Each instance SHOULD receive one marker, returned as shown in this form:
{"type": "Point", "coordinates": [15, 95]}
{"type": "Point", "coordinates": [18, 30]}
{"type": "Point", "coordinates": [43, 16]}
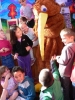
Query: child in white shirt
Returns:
{"type": "Point", "coordinates": [30, 33]}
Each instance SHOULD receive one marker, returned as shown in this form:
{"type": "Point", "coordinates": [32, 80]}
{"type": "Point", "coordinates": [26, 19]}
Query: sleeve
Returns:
{"type": "Point", "coordinates": [29, 42]}
{"type": "Point", "coordinates": [14, 49]}
{"type": "Point", "coordinates": [68, 3]}
{"type": "Point", "coordinates": [54, 69]}
{"type": "Point", "coordinates": [44, 96]}
{"type": "Point", "coordinates": [10, 46]}
{"type": "Point", "coordinates": [47, 98]}
{"type": "Point", "coordinates": [31, 91]}
{"type": "Point", "coordinates": [64, 57]}
{"type": "Point", "coordinates": [21, 11]}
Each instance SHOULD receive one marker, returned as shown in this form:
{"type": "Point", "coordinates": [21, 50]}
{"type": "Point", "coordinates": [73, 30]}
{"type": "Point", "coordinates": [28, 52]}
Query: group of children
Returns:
{"type": "Point", "coordinates": [17, 81]}
{"type": "Point", "coordinates": [65, 61]}
{"type": "Point", "coordinates": [21, 46]}
{"type": "Point", "coordinates": [20, 82]}
{"type": "Point", "coordinates": [52, 90]}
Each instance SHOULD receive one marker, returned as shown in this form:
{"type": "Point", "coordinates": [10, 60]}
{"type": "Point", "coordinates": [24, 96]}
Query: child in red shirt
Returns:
{"type": "Point", "coordinates": [5, 51]}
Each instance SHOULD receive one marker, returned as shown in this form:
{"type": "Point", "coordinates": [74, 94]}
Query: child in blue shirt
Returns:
{"type": "Point", "coordinates": [25, 84]}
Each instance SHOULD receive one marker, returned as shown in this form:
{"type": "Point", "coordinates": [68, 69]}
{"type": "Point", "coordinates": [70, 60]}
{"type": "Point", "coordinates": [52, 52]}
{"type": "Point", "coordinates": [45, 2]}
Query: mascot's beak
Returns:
{"type": "Point", "coordinates": [41, 25]}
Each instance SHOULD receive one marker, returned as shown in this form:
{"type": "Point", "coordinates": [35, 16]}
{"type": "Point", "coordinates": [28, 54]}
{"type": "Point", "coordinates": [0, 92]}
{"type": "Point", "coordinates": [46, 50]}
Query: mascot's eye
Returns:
{"type": "Point", "coordinates": [43, 8]}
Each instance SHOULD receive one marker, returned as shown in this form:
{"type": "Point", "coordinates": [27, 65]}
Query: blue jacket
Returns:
{"type": "Point", "coordinates": [26, 89]}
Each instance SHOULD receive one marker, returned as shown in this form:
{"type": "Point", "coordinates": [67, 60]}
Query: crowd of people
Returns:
{"type": "Point", "coordinates": [17, 81]}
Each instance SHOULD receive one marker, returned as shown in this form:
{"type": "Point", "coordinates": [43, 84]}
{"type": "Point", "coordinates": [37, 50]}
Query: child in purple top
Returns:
{"type": "Point", "coordinates": [5, 51]}
{"type": "Point", "coordinates": [8, 83]}
{"type": "Point", "coordinates": [26, 11]}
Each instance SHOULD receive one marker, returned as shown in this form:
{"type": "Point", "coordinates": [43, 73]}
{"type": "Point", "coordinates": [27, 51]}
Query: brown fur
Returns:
{"type": "Point", "coordinates": [52, 41]}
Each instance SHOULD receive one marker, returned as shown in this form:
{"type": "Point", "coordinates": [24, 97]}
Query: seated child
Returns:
{"type": "Point", "coordinates": [51, 87]}
{"type": "Point", "coordinates": [8, 83]}
{"type": "Point", "coordinates": [5, 51]}
{"type": "Point", "coordinates": [25, 84]}
{"type": "Point", "coordinates": [30, 33]}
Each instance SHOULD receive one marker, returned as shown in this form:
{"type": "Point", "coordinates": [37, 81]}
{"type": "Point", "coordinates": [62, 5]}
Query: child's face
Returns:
{"type": "Point", "coordinates": [22, 2]}
{"type": "Point", "coordinates": [67, 39]}
{"type": "Point", "coordinates": [24, 27]}
{"type": "Point", "coordinates": [19, 76]}
{"type": "Point", "coordinates": [18, 33]}
{"type": "Point", "coordinates": [6, 72]}
{"type": "Point", "coordinates": [2, 35]}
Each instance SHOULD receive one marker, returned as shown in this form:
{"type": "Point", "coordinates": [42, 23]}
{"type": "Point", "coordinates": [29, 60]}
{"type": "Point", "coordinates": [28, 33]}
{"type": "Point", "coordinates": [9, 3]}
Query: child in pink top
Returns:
{"type": "Point", "coordinates": [5, 51]}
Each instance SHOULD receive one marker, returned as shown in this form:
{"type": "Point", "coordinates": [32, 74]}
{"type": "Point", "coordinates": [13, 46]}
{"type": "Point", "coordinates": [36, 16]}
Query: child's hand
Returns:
{"type": "Point", "coordinates": [28, 48]}
{"type": "Point", "coordinates": [2, 50]}
{"type": "Point", "coordinates": [6, 49]}
{"type": "Point", "coordinates": [53, 57]}
{"type": "Point", "coordinates": [16, 56]}
{"type": "Point", "coordinates": [8, 76]}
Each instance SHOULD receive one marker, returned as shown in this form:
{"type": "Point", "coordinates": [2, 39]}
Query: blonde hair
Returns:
{"type": "Point", "coordinates": [68, 32]}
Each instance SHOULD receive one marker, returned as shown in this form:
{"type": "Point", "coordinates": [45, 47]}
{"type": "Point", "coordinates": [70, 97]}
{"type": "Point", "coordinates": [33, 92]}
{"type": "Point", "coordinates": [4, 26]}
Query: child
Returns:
{"type": "Point", "coordinates": [30, 33]}
{"type": "Point", "coordinates": [5, 51]}
{"type": "Point", "coordinates": [72, 12]}
{"type": "Point", "coordinates": [51, 87]}
{"type": "Point", "coordinates": [65, 60]}
{"type": "Point", "coordinates": [25, 87]}
{"type": "Point", "coordinates": [27, 12]}
{"type": "Point", "coordinates": [73, 77]}
{"type": "Point", "coordinates": [21, 47]}
{"type": "Point", "coordinates": [65, 11]}
{"type": "Point", "coordinates": [8, 84]}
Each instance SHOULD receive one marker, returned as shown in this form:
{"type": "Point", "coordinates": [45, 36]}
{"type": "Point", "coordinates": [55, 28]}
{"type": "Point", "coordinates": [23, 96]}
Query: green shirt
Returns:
{"type": "Point", "coordinates": [54, 92]}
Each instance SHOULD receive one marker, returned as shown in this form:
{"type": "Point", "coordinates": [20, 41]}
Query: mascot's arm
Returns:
{"type": "Point", "coordinates": [41, 24]}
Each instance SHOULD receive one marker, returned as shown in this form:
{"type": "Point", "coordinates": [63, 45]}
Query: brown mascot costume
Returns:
{"type": "Point", "coordinates": [49, 23]}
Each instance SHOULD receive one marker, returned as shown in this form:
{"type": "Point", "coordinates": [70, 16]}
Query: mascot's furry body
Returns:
{"type": "Point", "coordinates": [53, 26]}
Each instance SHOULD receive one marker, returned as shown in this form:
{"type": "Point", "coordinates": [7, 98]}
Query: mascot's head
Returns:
{"type": "Point", "coordinates": [47, 6]}
{"type": "Point", "coordinates": [44, 9]}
